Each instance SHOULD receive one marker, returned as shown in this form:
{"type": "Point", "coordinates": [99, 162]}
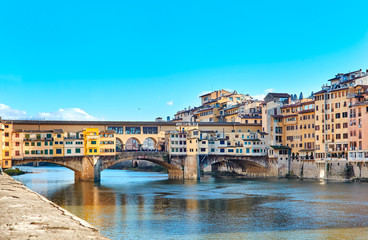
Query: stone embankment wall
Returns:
{"type": "Point", "coordinates": [341, 170]}
{"type": "Point", "coordinates": [25, 214]}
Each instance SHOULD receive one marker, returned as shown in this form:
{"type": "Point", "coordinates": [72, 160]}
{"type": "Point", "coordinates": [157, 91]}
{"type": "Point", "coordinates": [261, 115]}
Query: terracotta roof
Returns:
{"type": "Point", "coordinates": [319, 92]}
{"type": "Point", "coordinates": [280, 147]}
{"type": "Point", "coordinates": [306, 111]}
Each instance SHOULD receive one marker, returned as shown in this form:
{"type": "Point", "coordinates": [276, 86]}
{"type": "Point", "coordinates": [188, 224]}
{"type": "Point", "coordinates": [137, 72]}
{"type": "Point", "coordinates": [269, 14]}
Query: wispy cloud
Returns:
{"type": "Point", "coordinates": [170, 103]}
{"type": "Point", "coordinates": [269, 90]}
{"type": "Point", "coordinates": [6, 112]}
{"type": "Point", "coordinates": [263, 95]}
{"type": "Point", "coordinates": [11, 113]}
{"type": "Point", "coordinates": [64, 114]}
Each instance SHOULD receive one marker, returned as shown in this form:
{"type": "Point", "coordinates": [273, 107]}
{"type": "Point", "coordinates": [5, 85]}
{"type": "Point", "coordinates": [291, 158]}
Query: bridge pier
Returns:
{"type": "Point", "coordinates": [91, 170]}
{"type": "Point", "coordinates": [191, 167]}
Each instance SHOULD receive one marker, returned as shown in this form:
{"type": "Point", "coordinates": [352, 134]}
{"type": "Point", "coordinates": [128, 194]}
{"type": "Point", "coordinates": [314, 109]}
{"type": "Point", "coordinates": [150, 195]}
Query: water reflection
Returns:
{"type": "Point", "coordinates": [148, 205]}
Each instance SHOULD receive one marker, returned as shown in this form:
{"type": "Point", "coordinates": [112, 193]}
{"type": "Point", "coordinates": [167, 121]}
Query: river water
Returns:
{"type": "Point", "coordinates": [145, 205]}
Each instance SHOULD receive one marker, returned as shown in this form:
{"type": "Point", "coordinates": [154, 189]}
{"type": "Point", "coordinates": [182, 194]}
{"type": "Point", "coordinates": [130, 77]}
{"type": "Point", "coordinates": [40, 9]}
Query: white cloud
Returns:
{"type": "Point", "coordinates": [7, 112]}
{"type": "Point", "coordinates": [10, 113]}
{"type": "Point", "coordinates": [269, 90]}
{"type": "Point", "coordinates": [64, 114]}
{"type": "Point", "coordinates": [170, 103]}
{"type": "Point", "coordinates": [263, 95]}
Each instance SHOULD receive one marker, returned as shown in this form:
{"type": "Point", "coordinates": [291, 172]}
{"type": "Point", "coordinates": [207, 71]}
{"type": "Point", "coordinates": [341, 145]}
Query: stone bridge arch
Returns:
{"type": "Point", "coordinates": [158, 158]}
{"type": "Point", "coordinates": [65, 164]}
{"type": "Point", "coordinates": [80, 165]}
{"type": "Point", "coordinates": [249, 165]}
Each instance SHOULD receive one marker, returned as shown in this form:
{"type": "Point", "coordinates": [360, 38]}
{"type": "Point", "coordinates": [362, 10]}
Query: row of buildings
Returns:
{"type": "Point", "coordinates": [18, 144]}
{"type": "Point", "coordinates": [331, 125]}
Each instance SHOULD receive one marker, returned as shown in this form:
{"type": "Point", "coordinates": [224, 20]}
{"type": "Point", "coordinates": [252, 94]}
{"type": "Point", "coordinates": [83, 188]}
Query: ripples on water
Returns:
{"type": "Point", "coordinates": [144, 205]}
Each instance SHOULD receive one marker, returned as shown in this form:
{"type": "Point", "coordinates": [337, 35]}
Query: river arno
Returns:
{"type": "Point", "coordinates": [143, 205]}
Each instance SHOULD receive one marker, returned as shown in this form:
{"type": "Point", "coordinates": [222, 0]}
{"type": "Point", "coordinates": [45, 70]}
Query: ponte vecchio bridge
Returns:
{"type": "Point", "coordinates": [133, 141]}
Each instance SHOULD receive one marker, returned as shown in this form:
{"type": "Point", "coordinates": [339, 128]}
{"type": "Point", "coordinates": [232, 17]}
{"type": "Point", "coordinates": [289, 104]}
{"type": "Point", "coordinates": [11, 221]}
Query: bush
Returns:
{"type": "Point", "coordinates": [14, 172]}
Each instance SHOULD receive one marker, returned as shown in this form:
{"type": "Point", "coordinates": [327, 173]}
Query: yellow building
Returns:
{"type": "Point", "coordinates": [35, 144]}
{"type": "Point", "coordinates": [1, 143]}
{"type": "Point", "coordinates": [91, 141]}
{"type": "Point", "coordinates": [6, 151]}
{"type": "Point", "coordinates": [58, 148]}
{"type": "Point", "coordinates": [107, 142]}
{"type": "Point", "coordinates": [206, 98]}
{"type": "Point", "coordinates": [298, 126]}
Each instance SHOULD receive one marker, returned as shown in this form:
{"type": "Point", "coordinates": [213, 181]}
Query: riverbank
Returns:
{"type": "Point", "coordinates": [25, 214]}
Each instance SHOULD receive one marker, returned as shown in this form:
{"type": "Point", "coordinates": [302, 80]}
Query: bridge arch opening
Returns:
{"type": "Point", "coordinates": [44, 161]}
{"type": "Point", "coordinates": [149, 144]}
{"type": "Point", "coordinates": [132, 144]}
{"type": "Point", "coordinates": [119, 145]}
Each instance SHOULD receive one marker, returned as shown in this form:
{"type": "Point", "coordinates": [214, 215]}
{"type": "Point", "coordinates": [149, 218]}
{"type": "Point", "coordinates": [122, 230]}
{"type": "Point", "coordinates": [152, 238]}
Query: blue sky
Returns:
{"type": "Point", "coordinates": [136, 60]}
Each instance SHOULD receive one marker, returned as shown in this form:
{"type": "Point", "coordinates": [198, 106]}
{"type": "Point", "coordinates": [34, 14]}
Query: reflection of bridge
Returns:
{"type": "Point", "coordinates": [89, 168]}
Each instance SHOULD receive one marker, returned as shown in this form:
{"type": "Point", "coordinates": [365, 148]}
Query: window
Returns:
{"type": "Point", "coordinates": [132, 130]}
{"type": "Point", "coordinates": [230, 150]}
{"type": "Point", "coordinates": [68, 151]}
{"type": "Point", "coordinates": [51, 151]}
{"type": "Point", "coordinates": [59, 135]}
{"type": "Point", "coordinates": [6, 134]}
{"type": "Point", "coordinates": [94, 142]}
{"type": "Point", "coordinates": [95, 150]}
{"type": "Point", "coordinates": [58, 151]}
{"type": "Point", "coordinates": [46, 151]}
{"type": "Point", "coordinates": [38, 144]}
{"type": "Point", "coordinates": [26, 143]}
{"type": "Point", "coordinates": [32, 143]}
{"type": "Point", "coordinates": [150, 130]}
{"type": "Point", "coordinates": [222, 150]}
{"type": "Point", "coordinates": [26, 152]}
{"type": "Point", "coordinates": [118, 130]}
{"type": "Point", "coordinates": [46, 143]}
{"type": "Point", "coordinates": [48, 135]}
{"type": "Point", "coordinates": [345, 114]}
{"type": "Point", "coordinates": [77, 150]}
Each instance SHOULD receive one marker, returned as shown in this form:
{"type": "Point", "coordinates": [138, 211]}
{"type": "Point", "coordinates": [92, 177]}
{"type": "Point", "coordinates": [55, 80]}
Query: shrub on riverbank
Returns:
{"type": "Point", "coordinates": [14, 172]}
